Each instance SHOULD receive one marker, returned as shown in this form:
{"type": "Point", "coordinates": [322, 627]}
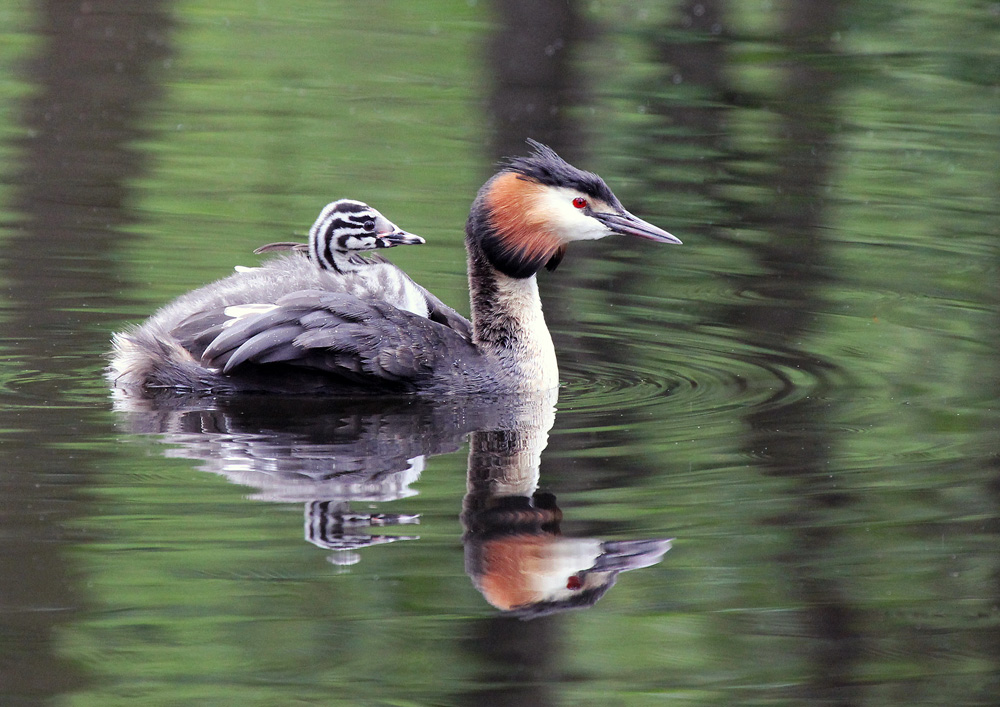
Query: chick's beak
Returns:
{"type": "Point", "coordinates": [400, 237]}
{"type": "Point", "coordinates": [628, 225]}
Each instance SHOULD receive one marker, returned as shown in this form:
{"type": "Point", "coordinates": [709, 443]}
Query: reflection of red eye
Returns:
{"type": "Point", "coordinates": [579, 202]}
{"type": "Point", "coordinates": [574, 581]}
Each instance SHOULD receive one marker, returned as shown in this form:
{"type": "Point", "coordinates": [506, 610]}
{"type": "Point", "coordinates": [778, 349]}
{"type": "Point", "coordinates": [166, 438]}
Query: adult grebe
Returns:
{"type": "Point", "coordinates": [305, 326]}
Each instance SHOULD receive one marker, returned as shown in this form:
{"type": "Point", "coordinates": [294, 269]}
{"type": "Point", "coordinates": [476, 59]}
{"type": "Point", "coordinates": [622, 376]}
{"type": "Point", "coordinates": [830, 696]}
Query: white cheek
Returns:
{"type": "Point", "coordinates": [360, 243]}
{"type": "Point", "coordinates": [569, 222]}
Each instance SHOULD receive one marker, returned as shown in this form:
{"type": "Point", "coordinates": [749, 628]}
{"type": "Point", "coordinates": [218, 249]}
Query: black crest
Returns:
{"type": "Point", "coordinates": [544, 166]}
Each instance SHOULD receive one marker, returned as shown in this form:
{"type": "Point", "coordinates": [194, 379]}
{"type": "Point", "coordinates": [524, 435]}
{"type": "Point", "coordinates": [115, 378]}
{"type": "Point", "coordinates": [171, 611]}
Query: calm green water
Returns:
{"type": "Point", "coordinates": [803, 397]}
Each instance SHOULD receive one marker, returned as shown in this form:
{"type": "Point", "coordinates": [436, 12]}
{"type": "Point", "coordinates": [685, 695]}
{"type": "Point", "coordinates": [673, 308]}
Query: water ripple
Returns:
{"type": "Point", "coordinates": [702, 373]}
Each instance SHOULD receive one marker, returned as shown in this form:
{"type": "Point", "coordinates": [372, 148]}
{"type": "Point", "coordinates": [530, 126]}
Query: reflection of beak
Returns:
{"type": "Point", "coordinates": [400, 237]}
{"type": "Point", "coordinates": [628, 225]}
{"type": "Point", "coordinates": [624, 555]}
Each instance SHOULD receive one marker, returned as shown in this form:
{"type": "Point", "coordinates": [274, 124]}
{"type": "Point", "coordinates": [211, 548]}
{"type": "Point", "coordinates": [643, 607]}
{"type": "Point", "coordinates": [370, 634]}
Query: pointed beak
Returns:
{"type": "Point", "coordinates": [400, 237]}
{"type": "Point", "coordinates": [628, 225]}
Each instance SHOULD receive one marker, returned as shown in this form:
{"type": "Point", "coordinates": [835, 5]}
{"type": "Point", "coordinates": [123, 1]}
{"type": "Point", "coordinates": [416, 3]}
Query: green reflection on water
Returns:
{"type": "Point", "coordinates": [270, 116]}
{"type": "Point", "coordinates": [829, 471]}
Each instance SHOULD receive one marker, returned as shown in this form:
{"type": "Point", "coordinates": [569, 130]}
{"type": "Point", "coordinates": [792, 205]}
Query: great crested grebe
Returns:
{"type": "Point", "coordinates": [304, 325]}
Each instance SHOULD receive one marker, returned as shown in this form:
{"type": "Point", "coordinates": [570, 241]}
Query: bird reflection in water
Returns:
{"type": "Point", "coordinates": [515, 553]}
{"type": "Point", "coordinates": [327, 453]}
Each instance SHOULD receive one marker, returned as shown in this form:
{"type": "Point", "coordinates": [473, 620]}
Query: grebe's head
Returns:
{"type": "Point", "coordinates": [524, 216]}
{"type": "Point", "coordinates": [346, 226]}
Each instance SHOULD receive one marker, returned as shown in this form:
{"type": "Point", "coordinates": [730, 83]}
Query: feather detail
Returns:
{"type": "Point", "coordinates": [556, 258]}
{"type": "Point", "coordinates": [520, 239]}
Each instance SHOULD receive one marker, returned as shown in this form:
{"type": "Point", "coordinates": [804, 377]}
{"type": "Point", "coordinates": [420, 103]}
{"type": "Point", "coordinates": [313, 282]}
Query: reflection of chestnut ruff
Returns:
{"type": "Point", "coordinates": [515, 553]}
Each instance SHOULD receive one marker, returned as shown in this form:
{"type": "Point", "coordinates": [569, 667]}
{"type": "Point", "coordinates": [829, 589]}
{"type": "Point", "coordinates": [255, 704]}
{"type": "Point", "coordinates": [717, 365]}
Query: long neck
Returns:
{"type": "Point", "coordinates": [508, 325]}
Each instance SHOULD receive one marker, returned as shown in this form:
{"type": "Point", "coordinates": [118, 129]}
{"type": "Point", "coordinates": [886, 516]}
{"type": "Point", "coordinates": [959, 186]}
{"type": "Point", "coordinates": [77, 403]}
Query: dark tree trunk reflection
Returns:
{"type": "Point", "coordinates": [689, 147]}
{"type": "Point", "coordinates": [534, 82]}
{"type": "Point", "coordinates": [793, 439]}
{"type": "Point", "coordinates": [92, 81]}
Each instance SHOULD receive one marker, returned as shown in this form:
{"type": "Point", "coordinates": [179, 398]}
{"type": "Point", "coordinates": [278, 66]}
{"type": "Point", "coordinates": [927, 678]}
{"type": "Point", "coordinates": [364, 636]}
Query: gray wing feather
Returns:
{"type": "Point", "coordinates": [246, 328]}
{"type": "Point", "coordinates": [438, 311]}
{"type": "Point", "coordinates": [263, 347]}
{"type": "Point", "coordinates": [360, 341]}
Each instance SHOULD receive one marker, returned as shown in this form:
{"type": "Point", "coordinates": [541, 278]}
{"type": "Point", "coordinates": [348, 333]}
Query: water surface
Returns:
{"type": "Point", "coordinates": [802, 399]}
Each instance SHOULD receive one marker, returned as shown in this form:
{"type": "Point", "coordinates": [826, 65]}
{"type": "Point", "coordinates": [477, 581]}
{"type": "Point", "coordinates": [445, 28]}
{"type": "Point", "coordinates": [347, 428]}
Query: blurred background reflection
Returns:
{"type": "Point", "coordinates": [803, 395]}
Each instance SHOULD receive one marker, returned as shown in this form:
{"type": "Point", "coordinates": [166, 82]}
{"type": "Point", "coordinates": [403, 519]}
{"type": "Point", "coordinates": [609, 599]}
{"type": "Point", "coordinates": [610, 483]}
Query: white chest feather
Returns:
{"type": "Point", "coordinates": [533, 348]}
{"type": "Point", "coordinates": [388, 283]}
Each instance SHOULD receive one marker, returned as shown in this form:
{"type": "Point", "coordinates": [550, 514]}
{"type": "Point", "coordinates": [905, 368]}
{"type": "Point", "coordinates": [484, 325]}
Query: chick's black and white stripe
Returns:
{"type": "Point", "coordinates": [342, 226]}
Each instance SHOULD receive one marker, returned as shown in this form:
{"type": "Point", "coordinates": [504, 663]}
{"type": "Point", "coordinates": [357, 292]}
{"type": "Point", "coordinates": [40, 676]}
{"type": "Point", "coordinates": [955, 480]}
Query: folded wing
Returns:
{"type": "Point", "coordinates": [365, 343]}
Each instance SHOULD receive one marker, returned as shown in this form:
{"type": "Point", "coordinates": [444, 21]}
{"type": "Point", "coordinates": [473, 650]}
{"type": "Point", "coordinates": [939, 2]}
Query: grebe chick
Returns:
{"type": "Point", "coordinates": [296, 327]}
{"type": "Point", "coordinates": [343, 229]}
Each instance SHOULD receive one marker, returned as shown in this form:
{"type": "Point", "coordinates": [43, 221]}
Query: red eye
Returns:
{"type": "Point", "coordinates": [574, 582]}
{"type": "Point", "coordinates": [579, 202]}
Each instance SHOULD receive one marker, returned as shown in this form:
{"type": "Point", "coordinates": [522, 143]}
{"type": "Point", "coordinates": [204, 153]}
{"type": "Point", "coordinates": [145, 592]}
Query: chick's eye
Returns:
{"type": "Point", "coordinates": [368, 226]}
{"type": "Point", "coordinates": [579, 202]}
